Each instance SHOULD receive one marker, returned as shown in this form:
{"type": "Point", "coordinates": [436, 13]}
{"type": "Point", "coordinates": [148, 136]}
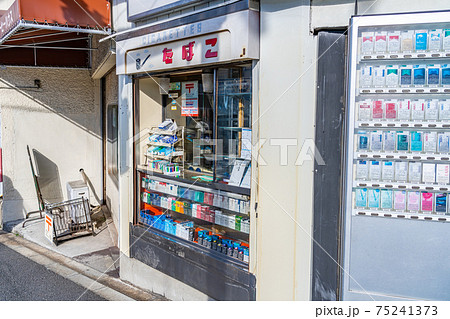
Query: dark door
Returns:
{"type": "Point", "coordinates": [331, 68]}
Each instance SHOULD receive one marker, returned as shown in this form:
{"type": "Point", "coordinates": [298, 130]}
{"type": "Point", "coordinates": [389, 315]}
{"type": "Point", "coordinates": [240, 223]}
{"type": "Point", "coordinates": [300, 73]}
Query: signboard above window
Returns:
{"type": "Point", "coordinates": [138, 9]}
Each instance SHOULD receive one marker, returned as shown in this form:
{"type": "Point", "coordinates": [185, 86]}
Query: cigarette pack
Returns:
{"type": "Point", "coordinates": [377, 109]}
{"type": "Point", "coordinates": [387, 171]}
{"type": "Point", "coordinates": [443, 143]}
{"type": "Point", "coordinates": [404, 110]}
{"type": "Point", "coordinates": [367, 43]}
{"type": "Point", "coordinates": [442, 174]}
{"type": "Point", "coordinates": [433, 75]}
{"type": "Point", "coordinates": [361, 197]}
{"type": "Point", "coordinates": [419, 75]}
{"type": "Point", "coordinates": [363, 141]}
{"type": "Point", "coordinates": [400, 200]}
{"type": "Point", "coordinates": [394, 42]}
{"type": "Point", "coordinates": [362, 170]}
{"type": "Point", "coordinates": [401, 171]}
{"type": "Point", "coordinates": [365, 79]}
{"type": "Point", "coordinates": [405, 75]}
{"type": "Point", "coordinates": [375, 170]}
{"type": "Point", "coordinates": [431, 110]}
{"type": "Point", "coordinates": [446, 39]}
{"type": "Point", "coordinates": [376, 141]}
{"type": "Point", "coordinates": [418, 110]}
{"type": "Point", "coordinates": [386, 198]}
{"type": "Point", "coordinates": [427, 202]}
{"type": "Point", "coordinates": [364, 110]}
{"type": "Point", "coordinates": [392, 76]}
{"type": "Point", "coordinates": [420, 40]}
{"type": "Point", "coordinates": [389, 141]}
{"type": "Point", "coordinates": [414, 172]}
{"type": "Point", "coordinates": [445, 74]}
{"type": "Point", "coordinates": [379, 76]}
{"type": "Point", "coordinates": [429, 173]}
{"type": "Point", "coordinates": [407, 41]}
{"type": "Point", "coordinates": [444, 110]}
{"type": "Point", "coordinates": [440, 203]}
{"type": "Point", "coordinates": [429, 142]}
{"type": "Point", "coordinates": [416, 141]}
{"type": "Point", "coordinates": [390, 109]}
{"type": "Point", "coordinates": [413, 201]}
{"type": "Point", "coordinates": [434, 43]}
{"type": "Point", "coordinates": [380, 42]}
{"type": "Point", "coordinates": [402, 141]}
{"type": "Point", "coordinates": [373, 198]}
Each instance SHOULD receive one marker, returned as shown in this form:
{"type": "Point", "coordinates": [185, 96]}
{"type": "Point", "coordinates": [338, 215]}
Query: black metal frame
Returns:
{"type": "Point", "coordinates": [328, 178]}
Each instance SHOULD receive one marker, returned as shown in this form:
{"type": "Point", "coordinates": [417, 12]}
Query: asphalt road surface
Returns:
{"type": "Point", "coordinates": [22, 279]}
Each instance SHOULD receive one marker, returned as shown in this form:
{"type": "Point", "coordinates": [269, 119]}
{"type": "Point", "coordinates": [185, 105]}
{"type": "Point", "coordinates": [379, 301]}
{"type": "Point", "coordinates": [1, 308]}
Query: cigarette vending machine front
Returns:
{"type": "Point", "coordinates": [396, 212]}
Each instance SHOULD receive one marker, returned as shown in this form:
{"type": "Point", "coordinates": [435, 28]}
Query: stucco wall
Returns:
{"type": "Point", "coordinates": [61, 121]}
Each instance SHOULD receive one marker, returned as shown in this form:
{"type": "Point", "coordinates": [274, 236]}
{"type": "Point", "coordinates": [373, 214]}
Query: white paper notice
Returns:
{"type": "Point", "coordinates": [237, 172]}
{"type": "Point", "coordinates": [246, 148]}
{"type": "Point", "coordinates": [189, 98]}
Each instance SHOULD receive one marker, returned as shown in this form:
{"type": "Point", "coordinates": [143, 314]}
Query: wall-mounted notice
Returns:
{"type": "Point", "coordinates": [189, 98]}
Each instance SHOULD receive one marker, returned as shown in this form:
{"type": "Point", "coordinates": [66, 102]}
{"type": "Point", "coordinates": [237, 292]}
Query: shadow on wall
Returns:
{"type": "Point", "coordinates": [49, 184]}
{"type": "Point", "coordinates": [17, 198]}
{"type": "Point", "coordinates": [48, 178]}
{"type": "Point", "coordinates": [69, 94]}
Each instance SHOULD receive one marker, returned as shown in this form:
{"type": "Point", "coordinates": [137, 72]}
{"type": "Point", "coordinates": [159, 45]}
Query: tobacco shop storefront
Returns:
{"type": "Point", "coordinates": [191, 164]}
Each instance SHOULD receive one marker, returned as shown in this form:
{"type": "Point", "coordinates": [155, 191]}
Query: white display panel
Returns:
{"type": "Point", "coordinates": [397, 155]}
{"type": "Point", "coordinates": [400, 105]}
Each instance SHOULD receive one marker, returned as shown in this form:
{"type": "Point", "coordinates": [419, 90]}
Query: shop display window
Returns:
{"type": "Point", "coordinates": [193, 157]}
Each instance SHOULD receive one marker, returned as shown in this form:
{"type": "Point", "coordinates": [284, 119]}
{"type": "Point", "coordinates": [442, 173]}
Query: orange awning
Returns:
{"type": "Point", "coordinates": [36, 32]}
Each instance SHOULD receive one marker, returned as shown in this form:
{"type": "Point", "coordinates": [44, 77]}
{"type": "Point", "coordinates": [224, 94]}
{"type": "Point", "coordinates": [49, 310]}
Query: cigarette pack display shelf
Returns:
{"type": "Point", "coordinates": [191, 186]}
{"type": "Point", "coordinates": [398, 57]}
{"type": "Point", "coordinates": [402, 215]}
{"type": "Point", "coordinates": [402, 156]}
{"type": "Point", "coordinates": [442, 91]}
{"type": "Point", "coordinates": [198, 202]}
{"type": "Point", "coordinates": [166, 157]}
{"type": "Point", "coordinates": [163, 144]}
{"type": "Point", "coordinates": [398, 62]}
{"type": "Point", "coordinates": [402, 186]}
{"type": "Point", "coordinates": [199, 221]}
{"type": "Point", "coordinates": [176, 152]}
{"type": "Point", "coordinates": [429, 125]}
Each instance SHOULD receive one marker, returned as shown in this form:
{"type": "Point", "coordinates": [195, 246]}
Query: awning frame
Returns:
{"type": "Point", "coordinates": [22, 24]}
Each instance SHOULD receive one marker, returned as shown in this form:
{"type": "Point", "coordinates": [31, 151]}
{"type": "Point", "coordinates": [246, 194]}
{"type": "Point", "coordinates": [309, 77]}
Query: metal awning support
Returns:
{"type": "Point", "coordinates": [25, 25]}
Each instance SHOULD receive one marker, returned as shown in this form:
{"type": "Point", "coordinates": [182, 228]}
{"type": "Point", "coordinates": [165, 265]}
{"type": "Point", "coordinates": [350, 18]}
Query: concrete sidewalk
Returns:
{"type": "Point", "coordinates": [99, 251]}
{"type": "Point", "coordinates": [105, 286]}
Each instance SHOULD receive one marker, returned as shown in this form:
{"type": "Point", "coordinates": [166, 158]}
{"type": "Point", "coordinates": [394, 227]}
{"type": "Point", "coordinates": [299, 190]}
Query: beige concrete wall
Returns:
{"type": "Point", "coordinates": [61, 121]}
{"type": "Point", "coordinates": [287, 103]}
{"type": "Point", "coordinates": [285, 192]}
